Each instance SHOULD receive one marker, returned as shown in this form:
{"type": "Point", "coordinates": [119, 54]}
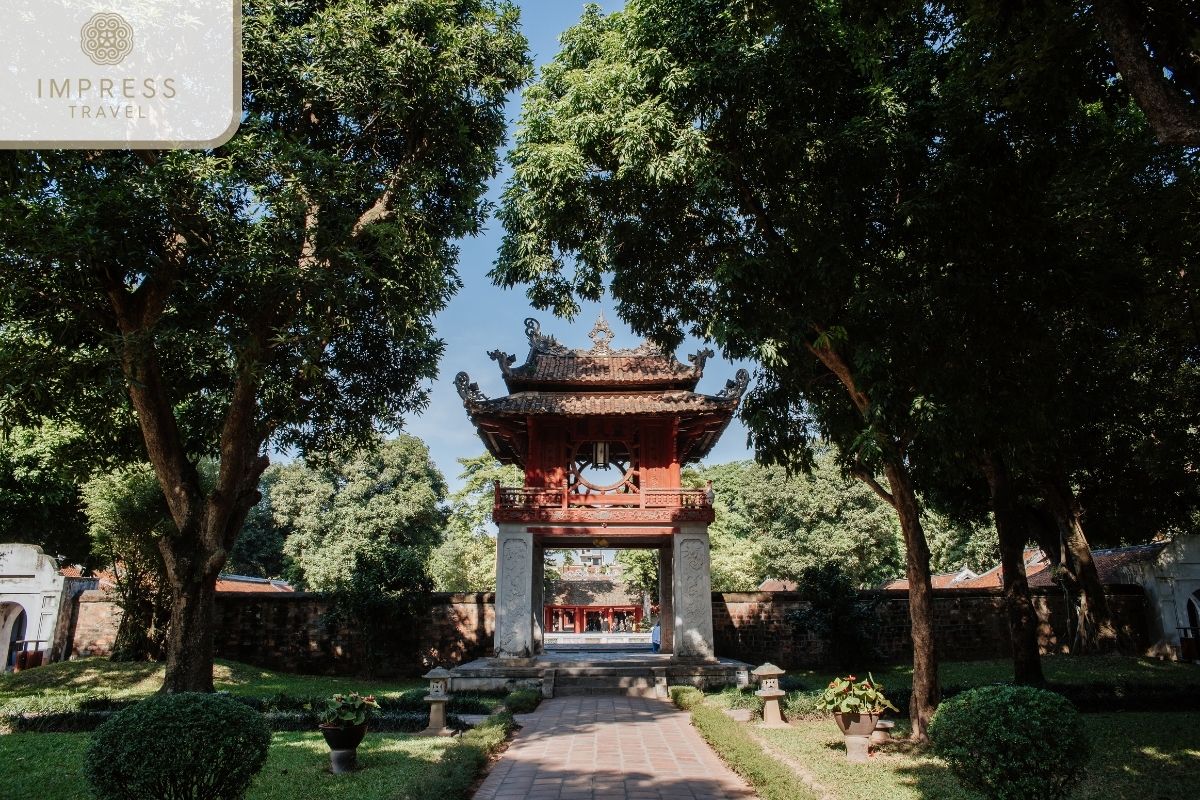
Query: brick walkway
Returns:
{"type": "Point", "coordinates": [600, 747]}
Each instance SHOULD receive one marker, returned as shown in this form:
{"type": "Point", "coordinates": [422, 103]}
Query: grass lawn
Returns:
{"type": "Point", "coordinates": [101, 677]}
{"type": "Point", "coordinates": [1135, 757]}
{"type": "Point", "coordinates": [393, 766]}
{"type": "Point", "coordinates": [1062, 669]}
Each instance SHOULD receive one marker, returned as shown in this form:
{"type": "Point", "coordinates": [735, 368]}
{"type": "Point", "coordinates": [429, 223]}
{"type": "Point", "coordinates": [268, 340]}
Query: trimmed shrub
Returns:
{"type": "Point", "coordinates": [686, 697]}
{"type": "Point", "coordinates": [186, 745]}
{"type": "Point", "coordinates": [522, 701]}
{"type": "Point", "coordinates": [1011, 742]}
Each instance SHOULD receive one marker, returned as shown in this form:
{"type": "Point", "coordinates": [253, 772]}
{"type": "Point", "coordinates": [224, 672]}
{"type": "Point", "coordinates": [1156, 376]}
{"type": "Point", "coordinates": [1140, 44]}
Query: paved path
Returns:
{"type": "Point", "coordinates": [601, 747]}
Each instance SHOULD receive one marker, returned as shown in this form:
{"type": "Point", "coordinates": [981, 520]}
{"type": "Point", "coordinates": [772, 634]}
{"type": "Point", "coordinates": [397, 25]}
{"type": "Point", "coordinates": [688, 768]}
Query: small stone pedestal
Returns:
{"type": "Point", "coordinates": [858, 749]}
{"type": "Point", "coordinates": [439, 695]}
{"type": "Point", "coordinates": [768, 675]}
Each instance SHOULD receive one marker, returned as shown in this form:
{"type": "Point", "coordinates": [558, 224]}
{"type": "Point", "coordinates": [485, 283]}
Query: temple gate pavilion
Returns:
{"type": "Point", "coordinates": [602, 435]}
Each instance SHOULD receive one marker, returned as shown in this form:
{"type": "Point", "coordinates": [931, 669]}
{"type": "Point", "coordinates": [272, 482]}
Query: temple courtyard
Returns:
{"type": "Point", "coordinates": [581, 747]}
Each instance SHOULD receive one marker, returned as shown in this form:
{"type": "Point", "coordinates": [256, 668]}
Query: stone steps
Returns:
{"type": "Point", "coordinates": [630, 683]}
{"type": "Point", "coordinates": [628, 674]}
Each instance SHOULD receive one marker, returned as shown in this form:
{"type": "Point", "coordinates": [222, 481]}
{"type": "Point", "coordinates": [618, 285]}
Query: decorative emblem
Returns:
{"type": "Point", "coordinates": [106, 38]}
{"type": "Point", "coordinates": [734, 389]}
{"type": "Point", "coordinates": [601, 337]}
{"type": "Point", "coordinates": [468, 391]}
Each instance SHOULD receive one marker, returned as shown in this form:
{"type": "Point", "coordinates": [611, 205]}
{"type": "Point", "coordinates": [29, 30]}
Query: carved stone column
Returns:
{"type": "Point", "coordinates": [666, 604]}
{"type": "Point", "coordinates": [692, 583]}
{"type": "Point", "coordinates": [514, 592]}
{"type": "Point", "coordinates": [537, 610]}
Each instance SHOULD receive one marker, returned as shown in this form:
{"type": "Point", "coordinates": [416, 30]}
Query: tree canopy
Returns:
{"type": "Point", "coordinates": [364, 522]}
{"type": "Point", "coordinates": [465, 560]}
{"type": "Point", "coordinates": [278, 290]}
{"type": "Point", "coordinates": [910, 219]}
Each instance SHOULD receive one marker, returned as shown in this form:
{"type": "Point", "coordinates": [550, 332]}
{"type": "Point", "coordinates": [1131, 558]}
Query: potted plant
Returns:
{"type": "Point", "coordinates": [344, 724]}
{"type": "Point", "coordinates": [856, 705]}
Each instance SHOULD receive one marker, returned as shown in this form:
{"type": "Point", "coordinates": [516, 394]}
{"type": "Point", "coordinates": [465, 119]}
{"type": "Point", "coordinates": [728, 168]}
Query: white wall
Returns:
{"type": "Point", "coordinates": [29, 580]}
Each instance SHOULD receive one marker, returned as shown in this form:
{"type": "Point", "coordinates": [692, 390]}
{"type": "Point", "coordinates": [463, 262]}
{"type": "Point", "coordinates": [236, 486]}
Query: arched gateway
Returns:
{"type": "Point", "coordinates": [602, 435]}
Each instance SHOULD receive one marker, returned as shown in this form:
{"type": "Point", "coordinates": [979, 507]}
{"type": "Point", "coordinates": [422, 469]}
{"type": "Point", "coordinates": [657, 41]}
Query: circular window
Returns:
{"type": "Point", "coordinates": [603, 467]}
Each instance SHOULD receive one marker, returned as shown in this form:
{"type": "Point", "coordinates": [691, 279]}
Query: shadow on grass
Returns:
{"type": "Point", "coordinates": [1135, 756]}
{"type": "Point", "coordinates": [390, 766]}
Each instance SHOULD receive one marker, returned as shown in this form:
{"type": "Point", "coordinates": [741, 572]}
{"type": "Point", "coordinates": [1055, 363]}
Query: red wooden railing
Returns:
{"type": "Point", "coordinates": [536, 497]}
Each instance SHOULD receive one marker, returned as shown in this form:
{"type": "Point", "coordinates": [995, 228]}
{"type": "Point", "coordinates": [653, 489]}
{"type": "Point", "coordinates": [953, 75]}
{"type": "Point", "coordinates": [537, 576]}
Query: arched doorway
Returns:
{"type": "Point", "coordinates": [13, 622]}
{"type": "Point", "coordinates": [1189, 637]}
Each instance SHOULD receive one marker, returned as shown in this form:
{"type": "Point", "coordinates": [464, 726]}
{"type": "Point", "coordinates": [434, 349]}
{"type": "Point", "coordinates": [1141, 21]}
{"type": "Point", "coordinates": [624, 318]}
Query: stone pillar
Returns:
{"type": "Point", "coordinates": [514, 592]}
{"type": "Point", "coordinates": [692, 582]}
{"type": "Point", "coordinates": [666, 604]}
{"type": "Point", "coordinates": [538, 608]}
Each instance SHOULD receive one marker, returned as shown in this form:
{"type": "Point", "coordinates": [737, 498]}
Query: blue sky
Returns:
{"type": "Point", "coordinates": [484, 317]}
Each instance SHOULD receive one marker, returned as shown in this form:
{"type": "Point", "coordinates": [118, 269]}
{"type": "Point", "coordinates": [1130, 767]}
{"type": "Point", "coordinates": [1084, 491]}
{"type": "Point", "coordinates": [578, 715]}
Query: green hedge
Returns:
{"type": "Point", "coordinates": [301, 720]}
{"type": "Point", "coordinates": [686, 697]}
{"type": "Point", "coordinates": [522, 701]}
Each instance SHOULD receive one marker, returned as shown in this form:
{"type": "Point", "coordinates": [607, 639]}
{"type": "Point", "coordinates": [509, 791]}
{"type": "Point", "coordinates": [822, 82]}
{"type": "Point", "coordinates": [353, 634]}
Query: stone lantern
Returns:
{"type": "Point", "coordinates": [768, 676]}
{"type": "Point", "coordinates": [439, 695]}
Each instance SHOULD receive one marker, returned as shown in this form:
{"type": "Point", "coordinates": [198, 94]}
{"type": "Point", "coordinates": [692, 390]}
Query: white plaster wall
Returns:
{"type": "Point", "coordinates": [1169, 581]}
{"type": "Point", "coordinates": [29, 579]}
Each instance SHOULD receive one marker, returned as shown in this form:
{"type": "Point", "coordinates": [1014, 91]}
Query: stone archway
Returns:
{"type": "Point", "coordinates": [14, 621]}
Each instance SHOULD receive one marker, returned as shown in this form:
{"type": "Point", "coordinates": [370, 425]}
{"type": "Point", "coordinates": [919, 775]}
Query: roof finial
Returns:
{"type": "Point", "coordinates": [601, 336]}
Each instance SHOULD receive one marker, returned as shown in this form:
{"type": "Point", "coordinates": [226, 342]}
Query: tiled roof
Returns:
{"type": "Point", "coordinates": [940, 580]}
{"type": "Point", "coordinates": [596, 591]}
{"type": "Point", "coordinates": [611, 370]}
{"type": "Point", "coordinates": [70, 572]}
{"type": "Point", "coordinates": [245, 583]}
{"type": "Point", "coordinates": [550, 364]}
{"type": "Point", "coordinates": [1109, 563]}
{"type": "Point", "coordinates": [611, 404]}
{"type": "Point", "coordinates": [1040, 572]}
{"type": "Point", "coordinates": [775, 585]}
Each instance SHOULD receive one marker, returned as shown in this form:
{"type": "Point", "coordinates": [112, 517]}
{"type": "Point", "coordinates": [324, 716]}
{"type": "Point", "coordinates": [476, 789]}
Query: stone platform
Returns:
{"type": "Point", "coordinates": [582, 641]}
{"type": "Point", "coordinates": [558, 673]}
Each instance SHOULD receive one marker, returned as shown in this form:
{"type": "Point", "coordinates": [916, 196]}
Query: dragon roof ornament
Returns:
{"type": "Point", "coordinates": [468, 390]}
{"type": "Point", "coordinates": [543, 343]}
{"type": "Point", "coordinates": [736, 386]}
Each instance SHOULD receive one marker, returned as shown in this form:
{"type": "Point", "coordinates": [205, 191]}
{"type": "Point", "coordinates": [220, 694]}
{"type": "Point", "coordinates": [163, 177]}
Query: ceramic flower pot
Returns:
{"type": "Point", "coordinates": [343, 745]}
{"type": "Point", "coordinates": [856, 724]}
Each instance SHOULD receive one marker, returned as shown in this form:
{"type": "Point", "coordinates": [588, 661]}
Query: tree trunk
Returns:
{"type": "Point", "coordinates": [1172, 117]}
{"type": "Point", "coordinates": [926, 692]}
{"type": "Point", "coordinates": [190, 639]}
{"type": "Point", "coordinates": [1096, 631]}
{"type": "Point", "coordinates": [1022, 617]}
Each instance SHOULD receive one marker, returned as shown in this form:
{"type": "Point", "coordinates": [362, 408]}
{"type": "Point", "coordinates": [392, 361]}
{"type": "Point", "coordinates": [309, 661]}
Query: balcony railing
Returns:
{"type": "Point", "coordinates": [536, 497]}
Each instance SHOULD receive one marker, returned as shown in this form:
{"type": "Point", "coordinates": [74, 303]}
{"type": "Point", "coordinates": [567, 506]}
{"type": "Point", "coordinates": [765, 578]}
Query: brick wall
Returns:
{"type": "Point", "coordinates": [96, 620]}
{"type": "Point", "coordinates": [293, 632]}
{"type": "Point", "coordinates": [968, 624]}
